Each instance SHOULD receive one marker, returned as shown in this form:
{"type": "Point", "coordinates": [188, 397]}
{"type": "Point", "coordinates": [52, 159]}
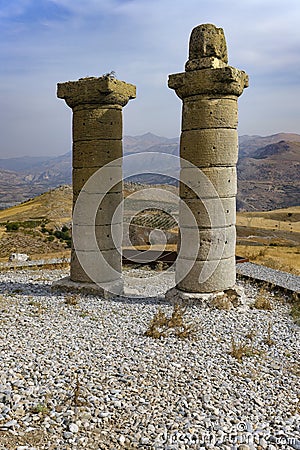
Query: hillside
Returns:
{"type": "Point", "coordinates": [270, 178]}
{"type": "Point", "coordinates": [249, 144]}
{"type": "Point", "coordinates": [270, 238]}
{"type": "Point", "coordinates": [52, 206]}
{"type": "Point", "coordinates": [268, 170]}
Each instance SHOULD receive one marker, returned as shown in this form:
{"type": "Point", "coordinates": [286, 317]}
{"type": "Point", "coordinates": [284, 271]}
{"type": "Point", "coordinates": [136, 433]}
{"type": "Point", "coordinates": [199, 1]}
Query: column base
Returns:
{"type": "Point", "coordinates": [105, 290]}
{"type": "Point", "coordinates": [175, 295]}
{"type": "Point", "coordinates": [227, 299]}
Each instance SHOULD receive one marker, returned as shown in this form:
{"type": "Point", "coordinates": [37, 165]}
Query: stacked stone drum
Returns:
{"type": "Point", "coordinates": [209, 89]}
{"type": "Point", "coordinates": [97, 178]}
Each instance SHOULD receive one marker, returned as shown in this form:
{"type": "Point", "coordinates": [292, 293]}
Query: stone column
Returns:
{"type": "Point", "coordinates": [209, 89]}
{"type": "Point", "coordinates": [96, 257]}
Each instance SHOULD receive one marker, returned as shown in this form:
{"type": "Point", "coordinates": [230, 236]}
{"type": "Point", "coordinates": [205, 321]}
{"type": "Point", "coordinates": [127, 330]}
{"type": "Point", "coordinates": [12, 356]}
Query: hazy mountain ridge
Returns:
{"type": "Point", "coordinates": [268, 170]}
{"type": "Point", "coordinates": [285, 150]}
{"type": "Point", "coordinates": [147, 142]}
{"type": "Point", "coordinates": [248, 144]}
{"type": "Point", "coordinates": [270, 178]}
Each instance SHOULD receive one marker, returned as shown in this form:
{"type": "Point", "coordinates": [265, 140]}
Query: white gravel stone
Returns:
{"type": "Point", "coordinates": [73, 427]}
{"type": "Point", "coordinates": [86, 376]}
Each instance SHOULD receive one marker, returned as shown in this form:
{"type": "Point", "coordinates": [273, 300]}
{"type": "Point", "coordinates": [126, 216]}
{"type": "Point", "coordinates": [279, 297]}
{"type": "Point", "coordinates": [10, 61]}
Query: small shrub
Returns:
{"type": "Point", "coordinates": [40, 409]}
{"type": "Point", "coordinates": [162, 326]}
{"type": "Point", "coordinates": [12, 226]}
{"type": "Point", "coordinates": [240, 350]}
{"type": "Point", "coordinates": [71, 300]}
{"type": "Point", "coordinates": [221, 302]}
{"type": "Point", "coordinates": [262, 300]}
{"type": "Point", "coordinates": [295, 312]}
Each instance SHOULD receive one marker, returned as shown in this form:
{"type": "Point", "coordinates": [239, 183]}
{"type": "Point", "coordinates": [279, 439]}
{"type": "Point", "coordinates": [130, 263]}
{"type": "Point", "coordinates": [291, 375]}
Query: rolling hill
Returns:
{"type": "Point", "coordinates": [268, 170]}
{"type": "Point", "coordinates": [268, 237]}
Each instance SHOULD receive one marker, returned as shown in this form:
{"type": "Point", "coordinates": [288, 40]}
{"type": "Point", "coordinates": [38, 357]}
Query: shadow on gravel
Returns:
{"type": "Point", "coordinates": [12, 288]}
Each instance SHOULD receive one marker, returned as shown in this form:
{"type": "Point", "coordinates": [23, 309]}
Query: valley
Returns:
{"type": "Point", "coordinates": [268, 170]}
{"type": "Point", "coordinates": [270, 238]}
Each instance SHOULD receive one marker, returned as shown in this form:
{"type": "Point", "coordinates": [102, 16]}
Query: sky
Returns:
{"type": "Point", "coordinates": [43, 42]}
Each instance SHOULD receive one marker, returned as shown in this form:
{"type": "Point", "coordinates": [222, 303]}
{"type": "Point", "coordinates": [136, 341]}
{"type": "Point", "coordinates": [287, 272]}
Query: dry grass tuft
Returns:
{"type": "Point", "coordinates": [228, 300]}
{"type": "Point", "coordinates": [262, 300]}
{"type": "Point", "coordinates": [75, 395]}
{"type": "Point", "coordinates": [162, 326]}
{"type": "Point", "coordinates": [295, 309]}
{"type": "Point", "coordinates": [268, 339]}
{"type": "Point", "coordinates": [239, 350]}
{"type": "Point", "coordinates": [221, 302]}
{"type": "Point", "coordinates": [71, 300]}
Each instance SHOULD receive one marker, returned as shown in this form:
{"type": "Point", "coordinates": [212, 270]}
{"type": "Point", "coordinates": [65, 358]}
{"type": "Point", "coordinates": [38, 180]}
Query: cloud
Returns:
{"type": "Point", "coordinates": [43, 42]}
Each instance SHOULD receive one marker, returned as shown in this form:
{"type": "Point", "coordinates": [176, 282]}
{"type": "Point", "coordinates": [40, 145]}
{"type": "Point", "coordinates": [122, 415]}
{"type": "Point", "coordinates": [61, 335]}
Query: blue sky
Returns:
{"type": "Point", "coordinates": [43, 42]}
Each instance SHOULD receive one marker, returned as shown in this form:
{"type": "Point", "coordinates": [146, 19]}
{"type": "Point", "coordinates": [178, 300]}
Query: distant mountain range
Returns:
{"type": "Point", "coordinates": [268, 170]}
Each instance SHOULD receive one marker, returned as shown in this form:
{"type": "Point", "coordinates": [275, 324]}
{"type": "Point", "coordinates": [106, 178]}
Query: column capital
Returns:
{"type": "Point", "coordinates": [220, 81]}
{"type": "Point", "coordinates": [96, 91]}
{"type": "Point", "coordinates": [207, 71]}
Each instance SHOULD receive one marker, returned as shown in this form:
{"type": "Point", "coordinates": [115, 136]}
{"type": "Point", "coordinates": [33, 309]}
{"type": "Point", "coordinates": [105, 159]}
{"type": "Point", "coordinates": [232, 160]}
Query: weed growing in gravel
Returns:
{"type": "Point", "coordinates": [295, 310]}
{"type": "Point", "coordinates": [40, 409]}
{"type": "Point", "coordinates": [221, 302]}
{"type": "Point", "coordinates": [83, 313]}
{"type": "Point", "coordinates": [268, 340]}
{"type": "Point", "coordinates": [230, 299]}
{"type": "Point", "coordinates": [37, 305]}
{"type": "Point", "coordinates": [262, 300]}
{"type": "Point", "coordinates": [241, 349]}
{"type": "Point", "coordinates": [4, 304]}
{"type": "Point", "coordinates": [71, 300]}
{"type": "Point", "coordinates": [75, 396]}
{"type": "Point", "coordinates": [162, 326]}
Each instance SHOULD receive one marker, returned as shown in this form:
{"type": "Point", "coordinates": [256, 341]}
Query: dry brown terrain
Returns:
{"type": "Point", "coordinates": [271, 238]}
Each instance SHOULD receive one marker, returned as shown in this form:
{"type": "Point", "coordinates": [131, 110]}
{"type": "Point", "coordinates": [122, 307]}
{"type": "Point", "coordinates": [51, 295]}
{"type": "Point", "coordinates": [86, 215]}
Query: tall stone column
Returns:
{"type": "Point", "coordinates": [209, 89]}
{"type": "Point", "coordinates": [96, 256]}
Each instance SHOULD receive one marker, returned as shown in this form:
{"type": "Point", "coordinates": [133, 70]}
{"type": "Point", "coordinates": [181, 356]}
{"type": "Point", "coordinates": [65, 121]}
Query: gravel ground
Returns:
{"type": "Point", "coordinates": [78, 372]}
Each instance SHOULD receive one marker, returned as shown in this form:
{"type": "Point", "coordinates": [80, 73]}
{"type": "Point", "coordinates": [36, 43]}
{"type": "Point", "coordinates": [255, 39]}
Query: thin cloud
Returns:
{"type": "Point", "coordinates": [43, 42]}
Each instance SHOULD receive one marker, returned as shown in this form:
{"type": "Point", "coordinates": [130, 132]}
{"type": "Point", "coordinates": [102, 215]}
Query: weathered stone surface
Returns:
{"type": "Point", "coordinates": [217, 243]}
{"type": "Point", "coordinates": [95, 180]}
{"type": "Point", "coordinates": [208, 213]}
{"type": "Point", "coordinates": [106, 237]}
{"type": "Point", "coordinates": [200, 113]}
{"type": "Point", "coordinates": [104, 290]}
{"type": "Point", "coordinates": [221, 275]}
{"type": "Point", "coordinates": [208, 182]}
{"type": "Point", "coordinates": [222, 81]}
{"type": "Point", "coordinates": [98, 209]}
{"type": "Point", "coordinates": [209, 89]}
{"type": "Point", "coordinates": [207, 41]}
{"type": "Point", "coordinates": [97, 153]}
{"type": "Point", "coordinates": [99, 267]}
{"type": "Point", "coordinates": [97, 123]}
{"type": "Point", "coordinates": [211, 147]}
{"type": "Point", "coordinates": [93, 90]}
